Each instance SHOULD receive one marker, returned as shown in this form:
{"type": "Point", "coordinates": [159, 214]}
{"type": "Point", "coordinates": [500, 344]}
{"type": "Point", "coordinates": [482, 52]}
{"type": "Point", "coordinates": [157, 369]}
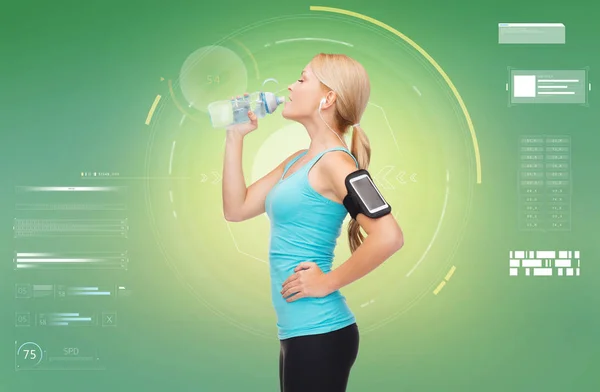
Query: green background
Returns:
{"type": "Point", "coordinates": [78, 82]}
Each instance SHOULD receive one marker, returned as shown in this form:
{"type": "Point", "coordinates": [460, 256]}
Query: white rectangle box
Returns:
{"type": "Point", "coordinates": [527, 271]}
{"type": "Point", "coordinates": [531, 254]}
{"type": "Point", "coordinates": [542, 271]}
{"type": "Point", "coordinates": [514, 271]}
{"type": "Point", "coordinates": [577, 272]}
{"type": "Point", "coordinates": [524, 86]}
{"type": "Point", "coordinates": [563, 254]}
{"type": "Point", "coordinates": [519, 254]}
{"type": "Point", "coordinates": [546, 254]}
{"type": "Point", "coordinates": [514, 263]}
{"type": "Point", "coordinates": [531, 263]}
{"type": "Point", "coordinates": [531, 33]}
{"type": "Point", "coordinates": [569, 271]}
{"type": "Point", "coordinates": [562, 263]}
{"type": "Point", "coordinates": [560, 272]}
{"type": "Point", "coordinates": [576, 254]}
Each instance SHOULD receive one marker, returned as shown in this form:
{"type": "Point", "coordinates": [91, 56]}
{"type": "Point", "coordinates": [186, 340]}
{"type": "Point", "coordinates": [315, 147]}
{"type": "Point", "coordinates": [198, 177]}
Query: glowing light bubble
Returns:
{"type": "Point", "coordinates": [212, 73]}
{"type": "Point", "coordinates": [277, 147]}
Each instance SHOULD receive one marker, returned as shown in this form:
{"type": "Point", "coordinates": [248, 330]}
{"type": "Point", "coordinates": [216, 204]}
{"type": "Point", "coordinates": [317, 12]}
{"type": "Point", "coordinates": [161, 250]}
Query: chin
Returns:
{"type": "Point", "coordinates": [291, 114]}
{"type": "Point", "coordinates": [286, 115]}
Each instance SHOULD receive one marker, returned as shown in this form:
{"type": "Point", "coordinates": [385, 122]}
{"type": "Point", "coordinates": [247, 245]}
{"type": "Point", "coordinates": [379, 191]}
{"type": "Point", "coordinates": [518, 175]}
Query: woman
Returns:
{"type": "Point", "coordinates": [303, 198]}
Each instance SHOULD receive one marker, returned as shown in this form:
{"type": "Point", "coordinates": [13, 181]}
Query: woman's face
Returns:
{"type": "Point", "coordinates": [304, 96]}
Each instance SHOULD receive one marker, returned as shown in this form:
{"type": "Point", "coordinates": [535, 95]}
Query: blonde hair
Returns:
{"type": "Point", "coordinates": [349, 80]}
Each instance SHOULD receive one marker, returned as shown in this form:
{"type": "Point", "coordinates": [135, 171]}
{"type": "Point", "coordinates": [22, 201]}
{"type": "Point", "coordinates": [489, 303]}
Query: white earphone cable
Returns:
{"type": "Point", "coordinates": [336, 134]}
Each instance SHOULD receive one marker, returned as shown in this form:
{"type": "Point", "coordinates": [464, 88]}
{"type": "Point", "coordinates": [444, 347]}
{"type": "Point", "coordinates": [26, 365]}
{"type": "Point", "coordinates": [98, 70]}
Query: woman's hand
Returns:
{"type": "Point", "coordinates": [243, 129]}
{"type": "Point", "coordinates": [307, 281]}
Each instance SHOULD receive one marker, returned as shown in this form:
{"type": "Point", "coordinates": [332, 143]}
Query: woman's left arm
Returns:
{"type": "Point", "coordinates": [383, 240]}
{"type": "Point", "coordinates": [384, 235]}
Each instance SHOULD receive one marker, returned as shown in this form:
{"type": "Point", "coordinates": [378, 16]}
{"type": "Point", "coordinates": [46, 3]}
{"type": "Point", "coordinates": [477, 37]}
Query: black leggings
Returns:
{"type": "Point", "coordinates": [318, 363]}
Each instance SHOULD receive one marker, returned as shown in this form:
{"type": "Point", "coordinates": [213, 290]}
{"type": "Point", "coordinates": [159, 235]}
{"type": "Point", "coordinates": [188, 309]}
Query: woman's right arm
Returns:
{"type": "Point", "coordinates": [241, 203]}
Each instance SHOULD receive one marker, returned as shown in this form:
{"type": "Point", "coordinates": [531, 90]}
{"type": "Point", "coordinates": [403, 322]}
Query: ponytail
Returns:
{"type": "Point", "coordinates": [361, 149]}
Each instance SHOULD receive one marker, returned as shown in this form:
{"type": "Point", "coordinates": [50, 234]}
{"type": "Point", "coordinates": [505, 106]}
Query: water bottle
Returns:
{"type": "Point", "coordinates": [235, 111]}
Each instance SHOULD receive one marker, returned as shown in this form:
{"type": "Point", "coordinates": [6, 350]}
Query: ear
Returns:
{"type": "Point", "coordinates": [324, 99]}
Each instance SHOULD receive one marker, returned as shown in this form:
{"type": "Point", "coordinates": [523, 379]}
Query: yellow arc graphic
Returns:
{"type": "Point", "coordinates": [152, 109]}
{"type": "Point", "coordinates": [430, 59]}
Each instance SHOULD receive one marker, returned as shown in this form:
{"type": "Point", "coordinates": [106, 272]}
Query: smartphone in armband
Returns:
{"type": "Point", "coordinates": [364, 197]}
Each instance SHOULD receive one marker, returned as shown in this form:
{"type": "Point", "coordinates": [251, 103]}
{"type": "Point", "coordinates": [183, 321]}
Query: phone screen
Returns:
{"type": "Point", "coordinates": [366, 191]}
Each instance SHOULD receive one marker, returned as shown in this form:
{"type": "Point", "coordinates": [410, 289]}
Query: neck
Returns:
{"type": "Point", "coordinates": [322, 138]}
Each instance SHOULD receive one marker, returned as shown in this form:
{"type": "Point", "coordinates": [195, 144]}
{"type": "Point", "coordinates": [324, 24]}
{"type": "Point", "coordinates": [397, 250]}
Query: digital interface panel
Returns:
{"type": "Point", "coordinates": [70, 259]}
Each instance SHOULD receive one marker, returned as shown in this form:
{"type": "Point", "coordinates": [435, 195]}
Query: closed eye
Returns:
{"type": "Point", "coordinates": [300, 80]}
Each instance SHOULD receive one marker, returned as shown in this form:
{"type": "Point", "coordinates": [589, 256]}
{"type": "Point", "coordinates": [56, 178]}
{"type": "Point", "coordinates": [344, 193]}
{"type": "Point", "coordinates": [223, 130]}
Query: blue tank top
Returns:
{"type": "Point", "coordinates": [305, 226]}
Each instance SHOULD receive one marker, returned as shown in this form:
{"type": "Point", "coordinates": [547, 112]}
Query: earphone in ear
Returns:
{"type": "Point", "coordinates": [322, 102]}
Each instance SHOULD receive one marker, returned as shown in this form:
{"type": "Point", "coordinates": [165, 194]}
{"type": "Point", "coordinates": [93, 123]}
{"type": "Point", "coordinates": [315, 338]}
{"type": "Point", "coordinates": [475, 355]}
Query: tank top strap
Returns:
{"type": "Point", "coordinates": [291, 162]}
{"type": "Point", "coordinates": [337, 148]}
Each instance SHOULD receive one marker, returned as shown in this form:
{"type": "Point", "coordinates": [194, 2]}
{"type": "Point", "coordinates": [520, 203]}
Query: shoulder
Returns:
{"type": "Point", "coordinates": [335, 167]}
{"type": "Point", "coordinates": [338, 163]}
